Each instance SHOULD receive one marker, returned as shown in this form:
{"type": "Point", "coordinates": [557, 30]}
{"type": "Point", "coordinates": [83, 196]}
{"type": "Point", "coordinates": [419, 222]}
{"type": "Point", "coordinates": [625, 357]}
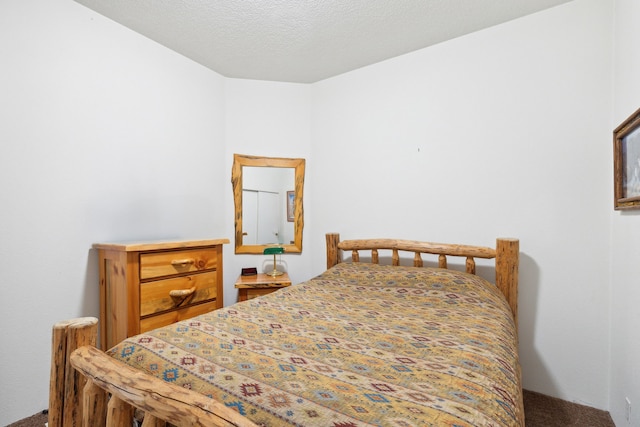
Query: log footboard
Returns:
{"type": "Point", "coordinates": [89, 388]}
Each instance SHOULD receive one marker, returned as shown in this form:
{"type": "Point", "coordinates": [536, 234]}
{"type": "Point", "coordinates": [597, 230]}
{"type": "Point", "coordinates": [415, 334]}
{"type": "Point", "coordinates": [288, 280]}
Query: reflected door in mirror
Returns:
{"type": "Point", "coordinates": [261, 219]}
{"type": "Point", "coordinates": [249, 217]}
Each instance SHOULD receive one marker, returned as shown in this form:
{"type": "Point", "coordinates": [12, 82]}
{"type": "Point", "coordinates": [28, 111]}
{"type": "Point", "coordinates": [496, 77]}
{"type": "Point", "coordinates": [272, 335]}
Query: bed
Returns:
{"type": "Point", "coordinates": [362, 344]}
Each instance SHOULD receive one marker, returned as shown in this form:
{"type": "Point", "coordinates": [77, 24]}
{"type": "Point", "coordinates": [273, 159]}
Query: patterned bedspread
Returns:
{"type": "Point", "coordinates": [359, 345]}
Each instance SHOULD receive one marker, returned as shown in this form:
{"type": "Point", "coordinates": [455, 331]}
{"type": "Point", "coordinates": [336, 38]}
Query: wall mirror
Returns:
{"type": "Point", "coordinates": [267, 193]}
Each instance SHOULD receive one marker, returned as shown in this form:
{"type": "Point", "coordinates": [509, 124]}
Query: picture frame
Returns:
{"type": "Point", "coordinates": [291, 198]}
{"type": "Point", "coordinates": [626, 163]}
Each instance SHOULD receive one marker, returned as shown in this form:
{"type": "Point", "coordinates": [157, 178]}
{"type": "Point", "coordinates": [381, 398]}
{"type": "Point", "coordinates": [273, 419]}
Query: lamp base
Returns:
{"type": "Point", "coordinates": [275, 273]}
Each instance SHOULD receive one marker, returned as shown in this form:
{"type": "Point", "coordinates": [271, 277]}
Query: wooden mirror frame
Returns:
{"type": "Point", "coordinates": [240, 160]}
{"type": "Point", "coordinates": [621, 150]}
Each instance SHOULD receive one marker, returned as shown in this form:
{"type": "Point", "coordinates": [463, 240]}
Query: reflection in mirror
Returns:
{"type": "Point", "coordinates": [264, 203]}
{"type": "Point", "coordinates": [268, 195]}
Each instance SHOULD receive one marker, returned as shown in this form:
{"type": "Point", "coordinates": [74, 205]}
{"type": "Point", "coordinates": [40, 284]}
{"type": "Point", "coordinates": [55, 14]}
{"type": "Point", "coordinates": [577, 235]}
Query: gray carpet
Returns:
{"type": "Point", "coordinates": [540, 411]}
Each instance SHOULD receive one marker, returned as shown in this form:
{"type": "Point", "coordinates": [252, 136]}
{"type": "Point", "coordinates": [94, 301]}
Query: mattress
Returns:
{"type": "Point", "coordinates": [359, 345]}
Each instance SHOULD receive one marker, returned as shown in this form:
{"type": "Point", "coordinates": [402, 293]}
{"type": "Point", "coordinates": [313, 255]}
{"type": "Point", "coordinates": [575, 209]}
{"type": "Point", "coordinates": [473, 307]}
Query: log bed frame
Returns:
{"type": "Point", "coordinates": [89, 388]}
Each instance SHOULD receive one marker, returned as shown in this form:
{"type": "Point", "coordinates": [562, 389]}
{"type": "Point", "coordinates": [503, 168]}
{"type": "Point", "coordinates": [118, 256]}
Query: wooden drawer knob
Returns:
{"type": "Point", "coordinates": [180, 296]}
{"type": "Point", "coordinates": [182, 262]}
{"type": "Point", "coordinates": [181, 293]}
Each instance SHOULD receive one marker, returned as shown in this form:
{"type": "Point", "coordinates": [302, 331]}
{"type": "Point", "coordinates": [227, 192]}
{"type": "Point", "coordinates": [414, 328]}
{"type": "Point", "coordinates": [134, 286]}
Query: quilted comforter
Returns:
{"type": "Point", "coordinates": [359, 345]}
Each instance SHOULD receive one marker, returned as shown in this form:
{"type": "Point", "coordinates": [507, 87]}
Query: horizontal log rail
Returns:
{"type": "Point", "coordinates": [418, 248]}
{"type": "Point", "coordinates": [130, 388]}
{"type": "Point", "coordinates": [421, 247]}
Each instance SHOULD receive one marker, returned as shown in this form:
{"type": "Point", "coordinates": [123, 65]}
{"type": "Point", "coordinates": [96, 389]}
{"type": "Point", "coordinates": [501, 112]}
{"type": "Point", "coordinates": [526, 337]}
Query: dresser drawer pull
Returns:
{"type": "Point", "coordinates": [180, 296]}
{"type": "Point", "coordinates": [182, 262]}
{"type": "Point", "coordinates": [181, 293]}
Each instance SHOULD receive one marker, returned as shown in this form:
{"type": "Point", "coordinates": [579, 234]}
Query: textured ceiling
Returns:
{"type": "Point", "coordinates": [305, 40]}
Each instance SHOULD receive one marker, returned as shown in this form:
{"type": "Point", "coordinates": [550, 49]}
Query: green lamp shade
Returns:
{"type": "Point", "coordinates": [273, 250]}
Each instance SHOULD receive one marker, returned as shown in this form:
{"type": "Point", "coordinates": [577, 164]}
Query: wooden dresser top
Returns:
{"type": "Point", "coordinates": [136, 246]}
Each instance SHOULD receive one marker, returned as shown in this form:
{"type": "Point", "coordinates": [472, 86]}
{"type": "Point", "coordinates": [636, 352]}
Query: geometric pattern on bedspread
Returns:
{"type": "Point", "coordinates": [361, 344]}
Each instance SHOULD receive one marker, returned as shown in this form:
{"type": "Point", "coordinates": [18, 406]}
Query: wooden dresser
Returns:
{"type": "Point", "coordinates": [146, 285]}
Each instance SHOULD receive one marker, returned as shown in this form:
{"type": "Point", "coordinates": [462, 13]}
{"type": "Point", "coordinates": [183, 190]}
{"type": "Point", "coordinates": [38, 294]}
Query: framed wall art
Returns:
{"type": "Point", "coordinates": [291, 204]}
{"type": "Point", "coordinates": [626, 163]}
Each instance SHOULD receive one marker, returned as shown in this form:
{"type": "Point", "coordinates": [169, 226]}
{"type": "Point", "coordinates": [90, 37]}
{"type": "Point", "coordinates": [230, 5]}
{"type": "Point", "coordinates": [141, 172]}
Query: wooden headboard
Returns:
{"type": "Point", "coordinates": [506, 254]}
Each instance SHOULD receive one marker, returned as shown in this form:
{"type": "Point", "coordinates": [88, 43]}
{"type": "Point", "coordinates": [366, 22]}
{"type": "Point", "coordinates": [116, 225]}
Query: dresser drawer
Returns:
{"type": "Point", "coordinates": [157, 296]}
{"type": "Point", "coordinates": [160, 264]}
{"type": "Point", "coordinates": [163, 319]}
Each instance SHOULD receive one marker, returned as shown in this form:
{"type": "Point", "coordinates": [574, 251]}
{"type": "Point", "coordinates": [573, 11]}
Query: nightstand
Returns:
{"type": "Point", "coordinates": [260, 284]}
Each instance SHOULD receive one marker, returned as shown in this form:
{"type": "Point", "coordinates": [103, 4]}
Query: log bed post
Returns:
{"type": "Point", "coordinates": [334, 255]}
{"type": "Point", "coordinates": [507, 260]}
{"type": "Point", "coordinates": [66, 384]}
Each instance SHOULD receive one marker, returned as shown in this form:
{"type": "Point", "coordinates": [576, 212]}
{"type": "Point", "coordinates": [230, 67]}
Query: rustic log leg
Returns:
{"type": "Point", "coordinates": [151, 421]}
{"type": "Point", "coordinates": [442, 261]}
{"type": "Point", "coordinates": [375, 259]}
{"type": "Point", "coordinates": [119, 413]}
{"type": "Point", "coordinates": [395, 257]}
{"type": "Point", "coordinates": [94, 410]}
{"type": "Point", "coordinates": [417, 260]}
{"type": "Point", "coordinates": [470, 265]}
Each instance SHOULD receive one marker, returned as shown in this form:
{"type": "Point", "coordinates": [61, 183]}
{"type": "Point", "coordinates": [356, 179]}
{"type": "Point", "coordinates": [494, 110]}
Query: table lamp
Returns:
{"type": "Point", "coordinates": [274, 250]}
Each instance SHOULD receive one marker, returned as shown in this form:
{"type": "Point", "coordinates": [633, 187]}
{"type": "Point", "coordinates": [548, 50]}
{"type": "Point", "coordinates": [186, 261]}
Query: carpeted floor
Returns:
{"type": "Point", "coordinates": [33, 421]}
{"type": "Point", "coordinates": [545, 411]}
{"type": "Point", "coordinates": [540, 411]}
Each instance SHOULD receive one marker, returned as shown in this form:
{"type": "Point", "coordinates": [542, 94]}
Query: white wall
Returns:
{"type": "Point", "coordinates": [104, 136]}
{"type": "Point", "coordinates": [267, 119]}
{"type": "Point", "coordinates": [504, 132]}
{"type": "Point", "coordinates": [625, 253]}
